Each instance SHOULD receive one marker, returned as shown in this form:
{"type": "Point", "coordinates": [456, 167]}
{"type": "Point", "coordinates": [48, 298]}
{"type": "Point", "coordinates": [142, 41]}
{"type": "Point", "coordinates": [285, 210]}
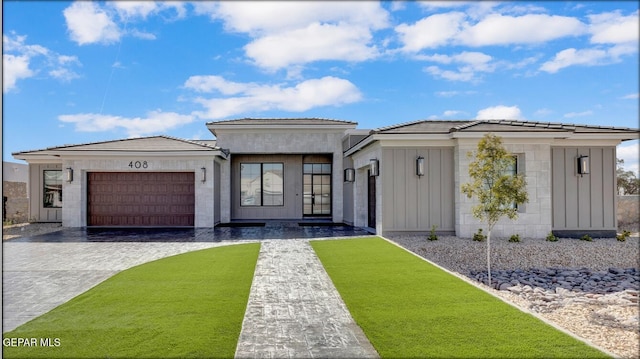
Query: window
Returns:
{"type": "Point", "coordinates": [261, 184]}
{"type": "Point", "coordinates": [52, 191]}
{"type": "Point", "coordinates": [513, 171]}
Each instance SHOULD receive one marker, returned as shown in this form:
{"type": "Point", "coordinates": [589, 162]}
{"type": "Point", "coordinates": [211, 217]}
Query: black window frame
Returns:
{"type": "Point", "coordinates": [262, 182]}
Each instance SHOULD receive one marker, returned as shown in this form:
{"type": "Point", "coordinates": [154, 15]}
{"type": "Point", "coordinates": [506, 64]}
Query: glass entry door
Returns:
{"type": "Point", "coordinates": [316, 189]}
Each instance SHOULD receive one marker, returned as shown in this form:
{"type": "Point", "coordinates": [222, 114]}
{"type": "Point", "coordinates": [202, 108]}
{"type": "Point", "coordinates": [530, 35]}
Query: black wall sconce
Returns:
{"type": "Point", "coordinates": [420, 166]}
{"type": "Point", "coordinates": [203, 173]}
{"type": "Point", "coordinates": [69, 174]}
{"type": "Point", "coordinates": [583, 165]}
{"type": "Point", "coordinates": [349, 175]}
{"type": "Point", "coordinates": [374, 169]}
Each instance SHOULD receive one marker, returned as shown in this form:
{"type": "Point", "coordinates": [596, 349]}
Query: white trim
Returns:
{"type": "Point", "coordinates": [57, 156]}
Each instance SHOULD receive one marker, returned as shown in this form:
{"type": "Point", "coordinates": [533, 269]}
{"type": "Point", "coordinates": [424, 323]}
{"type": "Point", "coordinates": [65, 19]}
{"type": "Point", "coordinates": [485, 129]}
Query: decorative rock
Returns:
{"type": "Point", "coordinates": [584, 280]}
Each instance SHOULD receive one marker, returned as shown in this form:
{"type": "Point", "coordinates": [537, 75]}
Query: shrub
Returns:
{"type": "Point", "coordinates": [432, 234]}
{"type": "Point", "coordinates": [551, 237]}
{"type": "Point", "coordinates": [621, 237]}
{"type": "Point", "coordinates": [586, 238]}
{"type": "Point", "coordinates": [478, 236]}
{"type": "Point", "coordinates": [515, 238]}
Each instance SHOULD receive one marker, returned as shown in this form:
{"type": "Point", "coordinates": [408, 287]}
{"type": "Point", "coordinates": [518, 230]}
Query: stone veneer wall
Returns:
{"type": "Point", "coordinates": [17, 205]}
{"type": "Point", "coordinates": [535, 217]}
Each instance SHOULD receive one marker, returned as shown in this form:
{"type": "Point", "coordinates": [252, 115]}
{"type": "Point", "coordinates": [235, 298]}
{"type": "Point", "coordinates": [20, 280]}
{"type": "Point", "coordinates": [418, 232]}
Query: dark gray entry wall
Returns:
{"type": "Point", "coordinates": [412, 203]}
{"type": "Point", "coordinates": [584, 202]}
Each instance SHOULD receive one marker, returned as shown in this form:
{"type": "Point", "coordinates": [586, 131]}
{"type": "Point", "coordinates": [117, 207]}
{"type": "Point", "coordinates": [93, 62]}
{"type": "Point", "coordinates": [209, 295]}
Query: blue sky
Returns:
{"type": "Point", "coordinates": [76, 72]}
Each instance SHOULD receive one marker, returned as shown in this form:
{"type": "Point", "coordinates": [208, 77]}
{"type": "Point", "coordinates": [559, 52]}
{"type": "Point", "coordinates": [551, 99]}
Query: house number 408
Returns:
{"type": "Point", "coordinates": [138, 164]}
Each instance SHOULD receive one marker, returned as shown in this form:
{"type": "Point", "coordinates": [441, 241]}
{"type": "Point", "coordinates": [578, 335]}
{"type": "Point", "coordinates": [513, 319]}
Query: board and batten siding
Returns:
{"type": "Point", "coordinates": [413, 203]}
{"type": "Point", "coordinates": [584, 202]}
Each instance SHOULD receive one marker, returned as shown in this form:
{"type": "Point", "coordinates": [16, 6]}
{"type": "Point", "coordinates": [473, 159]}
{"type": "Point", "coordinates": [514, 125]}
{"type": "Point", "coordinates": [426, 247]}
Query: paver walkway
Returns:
{"type": "Point", "coordinates": [294, 310]}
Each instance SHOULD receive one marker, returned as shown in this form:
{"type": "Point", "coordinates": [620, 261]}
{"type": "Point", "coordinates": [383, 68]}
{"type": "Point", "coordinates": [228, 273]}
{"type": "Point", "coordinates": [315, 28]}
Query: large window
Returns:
{"type": "Point", "coordinates": [261, 184]}
{"type": "Point", "coordinates": [52, 194]}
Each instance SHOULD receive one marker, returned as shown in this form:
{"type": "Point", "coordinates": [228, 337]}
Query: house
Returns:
{"type": "Point", "coordinates": [400, 178]}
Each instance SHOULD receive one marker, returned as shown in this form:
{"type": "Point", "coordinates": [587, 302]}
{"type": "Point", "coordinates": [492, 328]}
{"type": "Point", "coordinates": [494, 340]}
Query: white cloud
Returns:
{"type": "Point", "coordinates": [266, 17]}
{"type": "Point", "coordinates": [450, 75]}
{"type": "Point", "coordinates": [630, 153]}
{"type": "Point", "coordinates": [500, 113]}
{"type": "Point", "coordinates": [133, 9]}
{"type": "Point", "coordinates": [142, 35]}
{"type": "Point", "coordinates": [614, 28]}
{"type": "Point", "coordinates": [88, 24]}
{"type": "Point", "coordinates": [433, 31]}
{"type": "Point", "coordinates": [572, 57]}
{"type": "Point", "coordinates": [63, 74]}
{"type": "Point", "coordinates": [313, 43]}
{"type": "Point", "coordinates": [216, 83]}
{"type": "Point", "coordinates": [469, 64]}
{"type": "Point", "coordinates": [155, 122]}
{"type": "Point", "coordinates": [453, 113]}
{"type": "Point", "coordinates": [498, 29]}
{"type": "Point", "coordinates": [290, 34]}
{"type": "Point", "coordinates": [251, 97]}
{"type": "Point", "coordinates": [631, 96]}
{"type": "Point", "coordinates": [21, 61]}
{"type": "Point", "coordinates": [578, 114]}
{"type": "Point", "coordinates": [14, 68]}
{"type": "Point", "coordinates": [457, 28]}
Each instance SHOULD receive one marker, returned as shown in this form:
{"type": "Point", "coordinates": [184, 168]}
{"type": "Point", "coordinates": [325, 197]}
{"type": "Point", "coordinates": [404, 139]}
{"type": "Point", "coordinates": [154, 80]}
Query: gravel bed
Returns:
{"type": "Point", "coordinates": [464, 255]}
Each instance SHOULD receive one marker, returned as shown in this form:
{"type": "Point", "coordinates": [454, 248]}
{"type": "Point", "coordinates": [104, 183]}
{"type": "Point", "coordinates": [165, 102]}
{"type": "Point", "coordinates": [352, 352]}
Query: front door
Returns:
{"type": "Point", "coordinates": [317, 189]}
{"type": "Point", "coordinates": [371, 201]}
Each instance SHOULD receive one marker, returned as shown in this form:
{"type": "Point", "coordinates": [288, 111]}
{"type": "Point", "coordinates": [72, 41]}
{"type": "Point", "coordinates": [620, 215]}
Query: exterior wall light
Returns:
{"type": "Point", "coordinates": [203, 173]}
{"type": "Point", "coordinates": [69, 174]}
{"type": "Point", "coordinates": [349, 175]}
{"type": "Point", "coordinates": [583, 165]}
{"type": "Point", "coordinates": [374, 169]}
{"type": "Point", "coordinates": [420, 166]}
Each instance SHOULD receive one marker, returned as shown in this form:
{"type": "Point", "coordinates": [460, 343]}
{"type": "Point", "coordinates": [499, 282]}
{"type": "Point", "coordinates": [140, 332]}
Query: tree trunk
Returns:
{"type": "Point", "coordinates": [489, 256]}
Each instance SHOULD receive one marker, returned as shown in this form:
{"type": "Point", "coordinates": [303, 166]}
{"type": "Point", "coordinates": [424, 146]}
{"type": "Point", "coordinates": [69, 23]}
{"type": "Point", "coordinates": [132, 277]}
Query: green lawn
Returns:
{"type": "Point", "coordinates": [189, 305]}
{"type": "Point", "coordinates": [410, 308]}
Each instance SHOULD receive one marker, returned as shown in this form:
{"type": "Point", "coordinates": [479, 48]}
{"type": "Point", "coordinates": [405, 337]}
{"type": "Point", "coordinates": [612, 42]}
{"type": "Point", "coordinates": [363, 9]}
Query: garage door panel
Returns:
{"type": "Point", "coordinates": [141, 199]}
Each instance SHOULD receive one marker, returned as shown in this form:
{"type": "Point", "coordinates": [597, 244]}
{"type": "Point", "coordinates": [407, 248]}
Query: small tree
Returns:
{"type": "Point", "coordinates": [627, 181]}
{"type": "Point", "coordinates": [498, 191]}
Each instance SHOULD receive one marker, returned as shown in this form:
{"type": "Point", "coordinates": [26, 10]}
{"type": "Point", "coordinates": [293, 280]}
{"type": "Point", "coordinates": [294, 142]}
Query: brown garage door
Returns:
{"type": "Point", "coordinates": [140, 199]}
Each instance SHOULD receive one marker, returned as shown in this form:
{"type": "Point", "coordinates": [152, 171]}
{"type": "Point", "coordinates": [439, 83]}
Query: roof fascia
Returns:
{"type": "Point", "coordinates": [262, 127]}
{"type": "Point", "coordinates": [68, 154]}
{"type": "Point", "coordinates": [545, 134]}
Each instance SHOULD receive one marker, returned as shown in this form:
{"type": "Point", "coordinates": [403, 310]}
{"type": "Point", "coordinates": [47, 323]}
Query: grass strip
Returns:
{"type": "Point", "coordinates": [189, 305]}
{"type": "Point", "coordinates": [409, 308]}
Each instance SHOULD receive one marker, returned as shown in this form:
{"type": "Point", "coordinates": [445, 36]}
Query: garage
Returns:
{"type": "Point", "coordinates": [140, 199]}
